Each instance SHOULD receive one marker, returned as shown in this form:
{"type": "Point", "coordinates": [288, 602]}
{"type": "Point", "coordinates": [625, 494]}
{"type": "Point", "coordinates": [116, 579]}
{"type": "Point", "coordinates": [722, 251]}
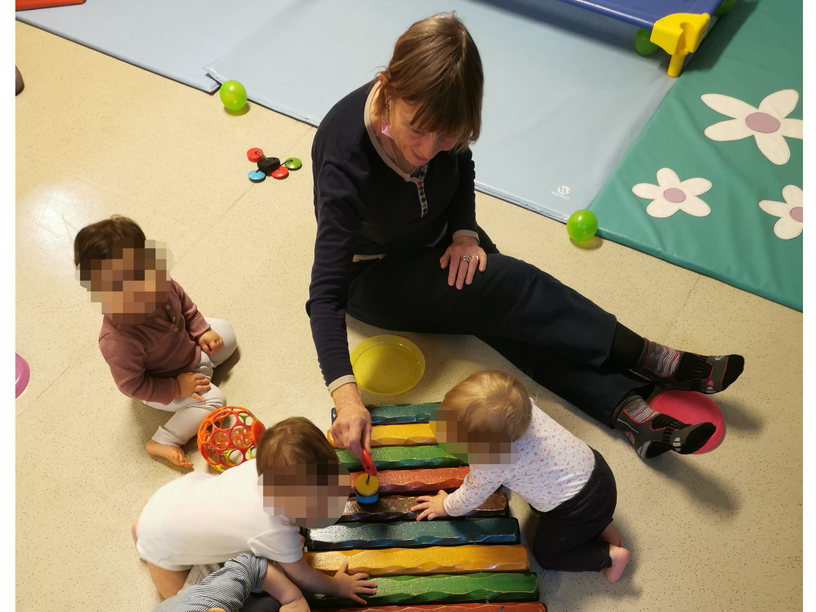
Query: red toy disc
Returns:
{"type": "Point", "coordinates": [255, 154]}
{"type": "Point", "coordinates": [692, 407]}
{"type": "Point", "coordinates": [281, 173]}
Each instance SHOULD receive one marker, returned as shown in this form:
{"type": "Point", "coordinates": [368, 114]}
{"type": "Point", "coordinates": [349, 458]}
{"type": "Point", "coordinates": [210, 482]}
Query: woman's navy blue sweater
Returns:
{"type": "Point", "coordinates": [364, 207]}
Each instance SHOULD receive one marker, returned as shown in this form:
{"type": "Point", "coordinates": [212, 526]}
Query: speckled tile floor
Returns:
{"type": "Point", "coordinates": [96, 136]}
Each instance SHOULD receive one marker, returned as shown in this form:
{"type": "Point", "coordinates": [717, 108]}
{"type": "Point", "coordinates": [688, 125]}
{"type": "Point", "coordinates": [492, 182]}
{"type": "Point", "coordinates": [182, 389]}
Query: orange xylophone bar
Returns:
{"type": "Point", "coordinates": [404, 481]}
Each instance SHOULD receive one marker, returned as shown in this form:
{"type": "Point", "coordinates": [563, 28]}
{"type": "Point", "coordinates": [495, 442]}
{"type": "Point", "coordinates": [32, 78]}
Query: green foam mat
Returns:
{"type": "Point", "coordinates": [445, 588]}
{"type": "Point", "coordinates": [402, 458]}
{"type": "Point", "coordinates": [414, 534]}
{"type": "Point", "coordinates": [740, 183]}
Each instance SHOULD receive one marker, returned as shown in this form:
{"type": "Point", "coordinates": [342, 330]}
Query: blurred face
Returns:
{"type": "Point", "coordinates": [474, 447]}
{"type": "Point", "coordinates": [132, 283]}
{"type": "Point", "coordinates": [417, 146]}
{"type": "Point", "coordinates": [314, 496]}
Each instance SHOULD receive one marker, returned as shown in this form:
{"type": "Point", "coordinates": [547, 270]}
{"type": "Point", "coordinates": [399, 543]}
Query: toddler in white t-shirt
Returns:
{"type": "Point", "coordinates": [258, 507]}
{"type": "Point", "coordinates": [491, 420]}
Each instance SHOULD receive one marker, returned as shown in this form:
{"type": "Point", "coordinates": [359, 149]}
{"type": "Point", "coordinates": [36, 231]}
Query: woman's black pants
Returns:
{"type": "Point", "coordinates": [550, 332]}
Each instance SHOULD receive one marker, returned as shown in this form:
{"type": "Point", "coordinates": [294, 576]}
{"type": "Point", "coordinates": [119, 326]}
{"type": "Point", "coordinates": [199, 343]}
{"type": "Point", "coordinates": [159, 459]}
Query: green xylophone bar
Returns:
{"type": "Point", "coordinates": [396, 414]}
{"type": "Point", "coordinates": [402, 458]}
{"type": "Point", "coordinates": [441, 588]}
{"type": "Point", "coordinates": [528, 606]}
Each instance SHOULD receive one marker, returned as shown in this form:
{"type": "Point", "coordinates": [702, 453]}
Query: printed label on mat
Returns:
{"type": "Point", "coordinates": [562, 192]}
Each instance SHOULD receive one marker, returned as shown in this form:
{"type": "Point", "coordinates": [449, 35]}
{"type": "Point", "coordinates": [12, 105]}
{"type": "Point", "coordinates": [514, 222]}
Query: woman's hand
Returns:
{"type": "Point", "coordinates": [210, 342]}
{"type": "Point", "coordinates": [350, 586]}
{"type": "Point", "coordinates": [464, 255]}
{"type": "Point", "coordinates": [352, 427]}
{"type": "Point", "coordinates": [431, 506]}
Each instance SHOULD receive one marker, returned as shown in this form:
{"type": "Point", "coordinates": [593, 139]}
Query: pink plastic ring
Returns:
{"type": "Point", "coordinates": [23, 374]}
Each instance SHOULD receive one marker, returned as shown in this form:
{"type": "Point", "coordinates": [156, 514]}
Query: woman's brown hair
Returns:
{"type": "Point", "coordinates": [436, 66]}
{"type": "Point", "coordinates": [293, 441]}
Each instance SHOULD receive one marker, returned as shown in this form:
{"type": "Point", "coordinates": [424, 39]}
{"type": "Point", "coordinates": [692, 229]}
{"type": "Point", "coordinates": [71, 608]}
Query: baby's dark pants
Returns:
{"type": "Point", "coordinates": [567, 536]}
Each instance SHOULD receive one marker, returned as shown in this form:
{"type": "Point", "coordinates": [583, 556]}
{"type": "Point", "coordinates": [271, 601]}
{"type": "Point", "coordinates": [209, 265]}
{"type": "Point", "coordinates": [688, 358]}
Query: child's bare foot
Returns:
{"type": "Point", "coordinates": [133, 531]}
{"type": "Point", "coordinates": [620, 557]}
{"type": "Point", "coordinates": [611, 535]}
{"type": "Point", "coordinates": [172, 453]}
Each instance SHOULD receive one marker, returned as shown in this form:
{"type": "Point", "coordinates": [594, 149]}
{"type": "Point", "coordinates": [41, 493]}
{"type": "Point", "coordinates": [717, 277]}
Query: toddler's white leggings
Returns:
{"type": "Point", "coordinates": [189, 412]}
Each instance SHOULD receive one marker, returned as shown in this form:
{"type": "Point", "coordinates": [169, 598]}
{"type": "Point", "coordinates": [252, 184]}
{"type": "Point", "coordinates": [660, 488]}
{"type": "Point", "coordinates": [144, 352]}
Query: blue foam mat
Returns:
{"type": "Point", "coordinates": [565, 93]}
{"type": "Point", "coordinates": [644, 13]}
{"type": "Point", "coordinates": [174, 39]}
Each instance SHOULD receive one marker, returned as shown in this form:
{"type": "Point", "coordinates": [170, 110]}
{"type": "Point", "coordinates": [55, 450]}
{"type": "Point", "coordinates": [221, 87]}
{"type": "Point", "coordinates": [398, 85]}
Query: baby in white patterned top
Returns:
{"type": "Point", "coordinates": [490, 421]}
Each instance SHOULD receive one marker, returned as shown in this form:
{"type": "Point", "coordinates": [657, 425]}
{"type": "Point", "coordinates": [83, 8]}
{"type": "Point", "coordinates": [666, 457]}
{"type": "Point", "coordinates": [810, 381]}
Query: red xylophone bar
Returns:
{"type": "Point", "coordinates": [403, 481]}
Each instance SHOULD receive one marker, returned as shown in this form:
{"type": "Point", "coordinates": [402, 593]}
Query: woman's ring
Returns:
{"type": "Point", "coordinates": [466, 258]}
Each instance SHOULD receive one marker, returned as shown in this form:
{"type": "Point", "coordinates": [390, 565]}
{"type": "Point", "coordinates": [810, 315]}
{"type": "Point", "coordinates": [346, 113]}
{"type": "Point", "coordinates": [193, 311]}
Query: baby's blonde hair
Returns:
{"type": "Point", "coordinates": [491, 401]}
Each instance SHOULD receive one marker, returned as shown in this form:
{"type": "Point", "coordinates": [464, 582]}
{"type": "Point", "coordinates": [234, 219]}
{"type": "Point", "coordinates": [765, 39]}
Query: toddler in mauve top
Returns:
{"type": "Point", "coordinates": [159, 347]}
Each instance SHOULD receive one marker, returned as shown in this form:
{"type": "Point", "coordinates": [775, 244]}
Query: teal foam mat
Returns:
{"type": "Point", "coordinates": [714, 182]}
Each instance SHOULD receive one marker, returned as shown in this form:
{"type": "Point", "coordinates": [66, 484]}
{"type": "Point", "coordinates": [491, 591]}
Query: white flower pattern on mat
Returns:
{"type": "Point", "coordinates": [768, 124]}
{"type": "Point", "coordinates": [789, 212]}
{"type": "Point", "coordinates": [671, 195]}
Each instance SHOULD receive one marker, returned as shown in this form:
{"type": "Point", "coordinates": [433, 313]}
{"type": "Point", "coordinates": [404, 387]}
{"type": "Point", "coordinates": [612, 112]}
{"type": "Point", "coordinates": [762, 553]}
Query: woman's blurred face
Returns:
{"type": "Point", "coordinates": [417, 146]}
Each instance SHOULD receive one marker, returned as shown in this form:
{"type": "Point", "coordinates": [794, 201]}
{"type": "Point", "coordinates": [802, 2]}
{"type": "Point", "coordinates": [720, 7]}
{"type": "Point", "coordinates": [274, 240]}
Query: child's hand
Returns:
{"type": "Point", "coordinates": [299, 605]}
{"type": "Point", "coordinates": [433, 506]}
{"type": "Point", "coordinates": [191, 384]}
{"type": "Point", "coordinates": [210, 342]}
{"type": "Point", "coordinates": [351, 585]}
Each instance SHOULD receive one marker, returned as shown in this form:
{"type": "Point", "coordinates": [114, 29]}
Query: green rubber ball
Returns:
{"type": "Point", "coordinates": [724, 7]}
{"type": "Point", "coordinates": [582, 225]}
{"type": "Point", "coordinates": [233, 95]}
{"type": "Point", "coordinates": [643, 44]}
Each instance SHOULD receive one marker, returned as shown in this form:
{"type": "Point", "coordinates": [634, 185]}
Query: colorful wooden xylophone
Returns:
{"type": "Point", "coordinates": [474, 563]}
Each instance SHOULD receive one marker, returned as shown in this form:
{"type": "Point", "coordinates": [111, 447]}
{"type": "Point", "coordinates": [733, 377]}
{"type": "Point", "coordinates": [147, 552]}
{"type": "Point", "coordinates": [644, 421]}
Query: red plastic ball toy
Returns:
{"type": "Point", "coordinates": [692, 408]}
{"type": "Point", "coordinates": [229, 436]}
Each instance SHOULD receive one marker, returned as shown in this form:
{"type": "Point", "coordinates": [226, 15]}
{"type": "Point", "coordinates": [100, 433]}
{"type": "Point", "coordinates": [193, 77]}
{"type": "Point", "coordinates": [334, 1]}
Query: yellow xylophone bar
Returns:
{"type": "Point", "coordinates": [412, 434]}
{"type": "Point", "coordinates": [466, 559]}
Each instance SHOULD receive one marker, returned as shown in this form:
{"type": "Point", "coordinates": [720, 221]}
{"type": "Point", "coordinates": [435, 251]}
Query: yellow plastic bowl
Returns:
{"type": "Point", "coordinates": [387, 365]}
